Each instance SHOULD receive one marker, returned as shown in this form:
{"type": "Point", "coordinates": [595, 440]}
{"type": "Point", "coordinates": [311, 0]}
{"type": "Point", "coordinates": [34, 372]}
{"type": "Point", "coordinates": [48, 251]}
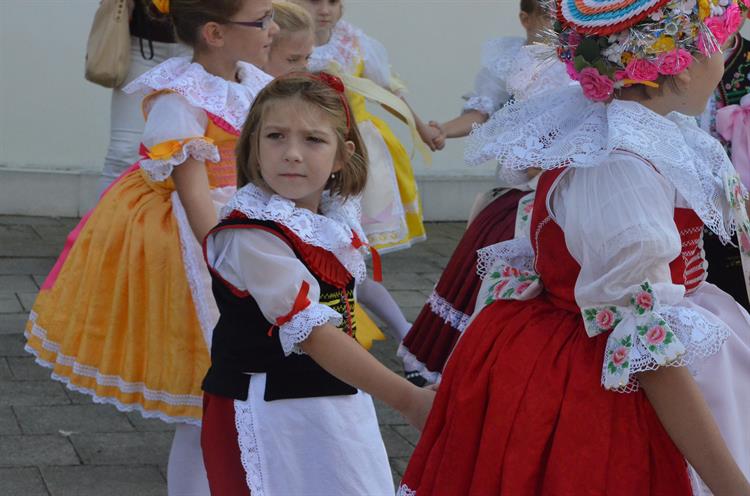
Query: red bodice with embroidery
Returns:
{"type": "Point", "coordinates": [559, 270]}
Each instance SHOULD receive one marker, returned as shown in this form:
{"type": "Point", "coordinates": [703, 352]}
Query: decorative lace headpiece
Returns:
{"type": "Point", "coordinates": [609, 44]}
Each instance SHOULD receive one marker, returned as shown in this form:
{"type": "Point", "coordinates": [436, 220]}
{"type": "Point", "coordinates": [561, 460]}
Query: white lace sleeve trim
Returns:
{"type": "Point", "coordinates": [515, 252]}
{"type": "Point", "coordinates": [647, 335]}
{"type": "Point", "coordinates": [299, 328]}
{"type": "Point", "coordinates": [198, 148]}
{"type": "Point", "coordinates": [482, 104]}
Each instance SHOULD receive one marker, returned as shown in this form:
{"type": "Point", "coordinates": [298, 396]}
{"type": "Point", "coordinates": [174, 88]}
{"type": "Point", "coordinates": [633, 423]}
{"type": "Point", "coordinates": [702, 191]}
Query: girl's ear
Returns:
{"type": "Point", "coordinates": [525, 20]}
{"type": "Point", "coordinates": [349, 149]}
{"type": "Point", "coordinates": [212, 33]}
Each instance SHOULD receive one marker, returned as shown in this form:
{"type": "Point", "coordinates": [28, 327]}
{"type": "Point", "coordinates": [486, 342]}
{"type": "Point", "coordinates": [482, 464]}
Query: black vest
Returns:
{"type": "Point", "coordinates": [244, 342]}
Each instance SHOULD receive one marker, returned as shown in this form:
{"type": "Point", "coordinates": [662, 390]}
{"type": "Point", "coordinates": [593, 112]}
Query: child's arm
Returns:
{"type": "Point", "coordinates": [684, 413]}
{"type": "Point", "coordinates": [345, 359]}
{"type": "Point", "coordinates": [462, 125]}
{"type": "Point", "coordinates": [191, 182]}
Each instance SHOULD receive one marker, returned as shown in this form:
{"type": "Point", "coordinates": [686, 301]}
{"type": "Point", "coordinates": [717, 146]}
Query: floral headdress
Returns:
{"type": "Point", "coordinates": [610, 44]}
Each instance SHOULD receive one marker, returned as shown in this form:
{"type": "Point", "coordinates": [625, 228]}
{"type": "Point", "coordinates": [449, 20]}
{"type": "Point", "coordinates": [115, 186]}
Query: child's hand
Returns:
{"type": "Point", "coordinates": [439, 140]}
{"type": "Point", "coordinates": [419, 406]}
{"type": "Point", "coordinates": [428, 134]}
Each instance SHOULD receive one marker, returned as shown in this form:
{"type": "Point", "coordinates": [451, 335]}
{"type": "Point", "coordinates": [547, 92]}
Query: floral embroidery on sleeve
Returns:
{"type": "Point", "coordinates": [523, 215]}
{"type": "Point", "coordinates": [636, 325]}
{"type": "Point", "coordinates": [510, 283]}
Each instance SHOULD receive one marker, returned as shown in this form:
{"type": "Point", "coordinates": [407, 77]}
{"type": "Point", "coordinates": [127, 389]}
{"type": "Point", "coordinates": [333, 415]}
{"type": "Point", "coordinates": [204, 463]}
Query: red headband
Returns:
{"type": "Point", "coordinates": [337, 85]}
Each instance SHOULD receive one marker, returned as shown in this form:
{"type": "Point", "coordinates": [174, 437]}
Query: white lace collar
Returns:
{"type": "Point", "coordinates": [342, 48]}
{"type": "Point", "coordinates": [229, 100]}
{"type": "Point", "coordinates": [499, 54]}
{"type": "Point", "coordinates": [562, 128]}
{"type": "Point", "coordinates": [331, 230]}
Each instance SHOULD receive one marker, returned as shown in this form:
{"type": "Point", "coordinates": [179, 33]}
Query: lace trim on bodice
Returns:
{"type": "Point", "coordinates": [226, 99]}
{"type": "Point", "coordinates": [331, 230]}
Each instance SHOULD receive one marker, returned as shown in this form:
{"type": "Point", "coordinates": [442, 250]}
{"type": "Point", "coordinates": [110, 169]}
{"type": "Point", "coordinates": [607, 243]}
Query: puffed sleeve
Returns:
{"type": "Point", "coordinates": [266, 267]}
{"type": "Point", "coordinates": [618, 220]}
{"type": "Point", "coordinates": [490, 85]}
{"type": "Point", "coordinates": [378, 65]}
{"type": "Point", "coordinates": [174, 131]}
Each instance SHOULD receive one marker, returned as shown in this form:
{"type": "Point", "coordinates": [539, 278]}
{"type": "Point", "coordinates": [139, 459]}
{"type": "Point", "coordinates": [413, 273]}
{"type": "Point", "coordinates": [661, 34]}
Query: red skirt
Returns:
{"type": "Point", "coordinates": [434, 333]}
{"type": "Point", "coordinates": [521, 411]}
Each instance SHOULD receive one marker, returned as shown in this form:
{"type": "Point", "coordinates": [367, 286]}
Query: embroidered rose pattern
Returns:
{"type": "Point", "coordinates": [657, 336]}
{"type": "Point", "coordinates": [643, 301]}
{"type": "Point", "coordinates": [601, 320]}
{"type": "Point", "coordinates": [511, 283]}
{"type": "Point", "coordinates": [617, 356]}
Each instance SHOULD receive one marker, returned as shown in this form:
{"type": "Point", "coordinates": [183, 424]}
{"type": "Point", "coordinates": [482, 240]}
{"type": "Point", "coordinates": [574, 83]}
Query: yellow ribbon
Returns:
{"type": "Point", "coordinates": [378, 94]}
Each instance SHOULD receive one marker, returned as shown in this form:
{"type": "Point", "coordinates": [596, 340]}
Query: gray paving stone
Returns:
{"type": "Point", "coordinates": [12, 345]}
{"type": "Point", "coordinates": [32, 393]}
{"type": "Point", "coordinates": [53, 234]}
{"type": "Point", "coordinates": [409, 433]}
{"type": "Point", "coordinates": [26, 369]}
{"type": "Point", "coordinates": [398, 465]}
{"type": "Point", "coordinates": [27, 299]}
{"type": "Point", "coordinates": [25, 481]}
{"type": "Point", "coordinates": [110, 481]}
{"type": "Point", "coordinates": [9, 303]}
{"type": "Point", "coordinates": [12, 232]}
{"type": "Point", "coordinates": [8, 220]}
{"type": "Point", "coordinates": [40, 248]}
{"type": "Point", "coordinates": [25, 451]}
{"type": "Point", "coordinates": [387, 415]}
{"type": "Point", "coordinates": [15, 283]}
{"type": "Point", "coordinates": [395, 445]}
{"type": "Point", "coordinates": [405, 281]}
{"type": "Point", "coordinates": [13, 323]}
{"type": "Point", "coordinates": [148, 425]}
{"type": "Point", "coordinates": [133, 448]}
{"type": "Point", "coordinates": [8, 422]}
{"type": "Point", "coordinates": [81, 399]}
{"type": "Point", "coordinates": [5, 372]}
{"type": "Point", "coordinates": [409, 298]}
{"type": "Point", "coordinates": [18, 265]}
{"type": "Point", "coordinates": [71, 419]}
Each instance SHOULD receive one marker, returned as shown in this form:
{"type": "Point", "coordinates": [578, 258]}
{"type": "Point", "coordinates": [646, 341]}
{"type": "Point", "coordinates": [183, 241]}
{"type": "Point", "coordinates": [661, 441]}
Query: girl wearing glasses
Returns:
{"type": "Point", "coordinates": [127, 313]}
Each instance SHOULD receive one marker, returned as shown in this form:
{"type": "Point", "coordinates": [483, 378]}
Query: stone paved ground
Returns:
{"type": "Point", "coordinates": [57, 442]}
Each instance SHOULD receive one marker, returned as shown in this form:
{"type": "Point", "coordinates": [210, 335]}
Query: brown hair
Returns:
{"type": "Point", "coordinates": [351, 179]}
{"type": "Point", "coordinates": [291, 18]}
{"type": "Point", "coordinates": [529, 6]}
{"type": "Point", "coordinates": [189, 16]}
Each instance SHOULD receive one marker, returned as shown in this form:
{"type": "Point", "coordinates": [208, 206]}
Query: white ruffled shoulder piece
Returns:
{"type": "Point", "coordinates": [331, 230]}
{"type": "Point", "coordinates": [534, 71]}
{"type": "Point", "coordinates": [562, 128]}
{"type": "Point", "coordinates": [499, 54]}
{"type": "Point", "coordinates": [226, 99]}
{"type": "Point", "coordinates": [342, 49]}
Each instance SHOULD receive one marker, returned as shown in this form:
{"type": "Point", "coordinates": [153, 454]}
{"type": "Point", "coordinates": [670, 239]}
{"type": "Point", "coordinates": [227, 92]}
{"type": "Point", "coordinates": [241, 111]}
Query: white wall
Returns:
{"type": "Point", "coordinates": [51, 119]}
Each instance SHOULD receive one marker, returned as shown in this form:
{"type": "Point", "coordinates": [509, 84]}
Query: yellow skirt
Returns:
{"type": "Point", "coordinates": [391, 207]}
{"type": "Point", "coordinates": [119, 322]}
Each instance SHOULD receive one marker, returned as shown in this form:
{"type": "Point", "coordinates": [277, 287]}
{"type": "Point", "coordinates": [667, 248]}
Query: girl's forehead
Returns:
{"type": "Point", "coordinates": [296, 111]}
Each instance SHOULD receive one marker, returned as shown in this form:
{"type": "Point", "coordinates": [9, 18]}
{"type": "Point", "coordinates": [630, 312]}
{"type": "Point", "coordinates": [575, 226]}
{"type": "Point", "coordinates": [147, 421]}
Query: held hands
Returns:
{"type": "Point", "coordinates": [432, 135]}
{"type": "Point", "coordinates": [419, 406]}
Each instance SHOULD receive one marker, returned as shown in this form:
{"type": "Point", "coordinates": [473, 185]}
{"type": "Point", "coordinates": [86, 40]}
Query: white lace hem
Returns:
{"type": "Point", "coordinates": [198, 148]}
{"type": "Point", "coordinates": [109, 381]}
{"type": "Point", "coordinates": [411, 362]}
{"type": "Point", "coordinates": [299, 328]}
{"type": "Point", "coordinates": [403, 490]}
{"type": "Point", "coordinates": [516, 253]}
{"type": "Point", "coordinates": [331, 231]}
{"type": "Point", "coordinates": [248, 444]}
{"type": "Point", "coordinates": [443, 309]}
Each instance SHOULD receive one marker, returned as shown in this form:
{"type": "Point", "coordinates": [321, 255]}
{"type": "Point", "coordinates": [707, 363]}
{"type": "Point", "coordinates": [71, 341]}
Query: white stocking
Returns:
{"type": "Point", "coordinates": [376, 298]}
{"type": "Point", "coordinates": [186, 474]}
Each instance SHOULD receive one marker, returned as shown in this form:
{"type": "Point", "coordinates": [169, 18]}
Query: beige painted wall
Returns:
{"type": "Point", "coordinates": [52, 119]}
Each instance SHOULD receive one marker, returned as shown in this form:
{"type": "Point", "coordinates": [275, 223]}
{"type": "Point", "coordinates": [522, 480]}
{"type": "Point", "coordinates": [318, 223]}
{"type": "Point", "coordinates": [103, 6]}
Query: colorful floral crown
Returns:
{"type": "Point", "coordinates": [610, 44]}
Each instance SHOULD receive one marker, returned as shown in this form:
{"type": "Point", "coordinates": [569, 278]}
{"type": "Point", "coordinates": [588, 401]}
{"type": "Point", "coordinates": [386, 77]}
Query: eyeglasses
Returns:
{"type": "Point", "coordinates": [263, 23]}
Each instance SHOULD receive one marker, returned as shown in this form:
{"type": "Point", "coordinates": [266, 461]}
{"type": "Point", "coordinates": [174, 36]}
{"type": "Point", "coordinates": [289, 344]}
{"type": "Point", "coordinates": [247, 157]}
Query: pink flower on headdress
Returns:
{"type": "Point", "coordinates": [574, 38]}
{"type": "Point", "coordinates": [620, 75]}
{"type": "Point", "coordinates": [718, 29]}
{"type": "Point", "coordinates": [571, 70]}
{"type": "Point", "coordinates": [674, 62]}
{"type": "Point", "coordinates": [732, 19]}
{"type": "Point", "coordinates": [641, 70]}
{"type": "Point", "coordinates": [595, 86]}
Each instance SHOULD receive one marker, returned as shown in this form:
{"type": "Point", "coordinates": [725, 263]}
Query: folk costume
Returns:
{"type": "Point", "coordinates": [274, 421]}
{"type": "Point", "coordinates": [127, 312]}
